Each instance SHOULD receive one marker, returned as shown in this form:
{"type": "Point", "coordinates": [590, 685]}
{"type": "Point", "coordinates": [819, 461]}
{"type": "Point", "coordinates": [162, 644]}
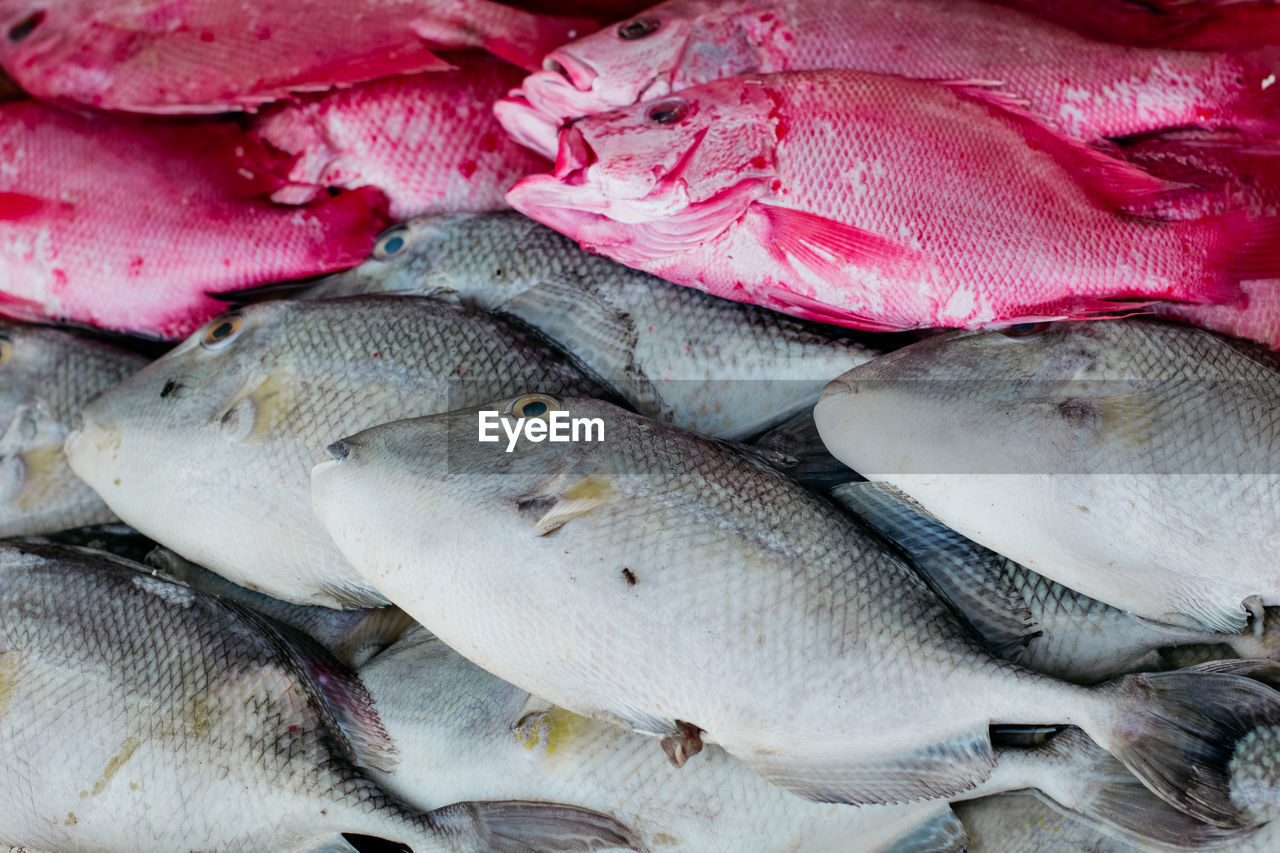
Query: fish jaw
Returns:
{"type": "Point", "coordinates": [533, 129]}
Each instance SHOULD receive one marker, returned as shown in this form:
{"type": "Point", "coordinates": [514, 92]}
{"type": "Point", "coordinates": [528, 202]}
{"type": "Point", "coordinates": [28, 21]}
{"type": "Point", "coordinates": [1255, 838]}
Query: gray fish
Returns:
{"type": "Point", "coordinates": [208, 450]}
{"type": "Point", "coordinates": [674, 353]}
{"type": "Point", "coordinates": [47, 376]}
{"type": "Point", "coordinates": [1026, 617]}
{"type": "Point", "coordinates": [142, 715]}
{"type": "Point", "coordinates": [664, 581]}
{"type": "Point", "coordinates": [1132, 461]}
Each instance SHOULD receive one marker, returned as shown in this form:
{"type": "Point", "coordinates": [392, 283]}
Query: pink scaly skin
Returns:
{"type": "Point", "coordinates": [127, 225]}
{"type": "Point", "coordinates": [205, 56]}
{"type": "Point", "coordinates": [1088, 88]}
{"type": "Point", "coordinates": [1183, 24]}
{"type": "Point", "coordinates": [880, 203]}
{"type": "Point", "coordinates": [429, 141]}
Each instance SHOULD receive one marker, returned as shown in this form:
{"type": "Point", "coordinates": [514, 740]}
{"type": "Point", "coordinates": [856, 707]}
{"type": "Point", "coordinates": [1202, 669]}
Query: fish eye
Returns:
{"type": "Point", "coordinates": [6, 348]}
{"type": "Point", "coordinates": [391, 242]}
{"type": "Point", "coordinates": [221, 331]}
{"type": "Point", "coordinates": [667, 112]}
{"type": "Point", "coordinates": [19, 31]}
{"type": "Point", "coordinates": [638, 29]}
{"type": "Point", "coordinates": [1025, 330]}
{"type": "Point", "coordinates": [533, 406]}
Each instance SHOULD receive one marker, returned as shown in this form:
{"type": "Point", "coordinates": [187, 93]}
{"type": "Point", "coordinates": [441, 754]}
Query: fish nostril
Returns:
{"type": "Point", "coordinates": [19, 31]}
{"type": "Point", "coordinates": [339, 450]}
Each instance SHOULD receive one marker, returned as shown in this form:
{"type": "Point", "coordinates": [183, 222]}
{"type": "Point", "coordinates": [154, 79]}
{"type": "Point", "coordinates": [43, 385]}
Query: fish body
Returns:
{"type": "Point", "coordinates": [1129, 461]}
{"type": "Point", "coordinates": [241, 411]}
{"type": "Point", "coordinates": [197, 726]}
{"type": "Point", "coordinates": [428, 141]}
{"type": "Point", "coordinates": [129, 225]}
{"type": "Point", "coordinates": [699, 595]}
{"type": "Point", "coordinates": [461, 731]}
{"type": "Point", "coordinates": [209, 56]}
{"type": "Point", "coordinates": [1087, 88]}
{"type": "Point", "coordinates": [711, 365]}
{"type": "Point", "coordinates": [882, 203]}
{"type": "Point", "coordinates": [48, 376]}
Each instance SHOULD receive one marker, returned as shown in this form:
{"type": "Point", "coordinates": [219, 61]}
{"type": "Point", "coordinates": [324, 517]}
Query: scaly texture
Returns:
{"type": "Point", "coordinates": [711, 365]}
{"type": "Point", "coordinates": [1087, 88]}
{"type": "Point", "coordinates": [239, 420]}
{"type": "Point", "coordinates": [128, 225]}
{"type": "Point", "coordinates": [429, 141]}
{"type": "Point", "coordinates": [882, 203]}
{"type": "Point", "coordinates": [48, 376]}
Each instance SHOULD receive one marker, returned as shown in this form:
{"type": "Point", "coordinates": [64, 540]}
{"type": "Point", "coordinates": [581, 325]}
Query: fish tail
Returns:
{"type": "Point", "coordinates": [520, 37]}
{"type": "Point", "coordinates": [1177, 732]}
{"type": "Point", "coordinates": [517, 826]}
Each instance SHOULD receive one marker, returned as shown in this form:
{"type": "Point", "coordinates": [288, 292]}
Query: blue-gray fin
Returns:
{"type": "Point", "coordinates": [943, 834]}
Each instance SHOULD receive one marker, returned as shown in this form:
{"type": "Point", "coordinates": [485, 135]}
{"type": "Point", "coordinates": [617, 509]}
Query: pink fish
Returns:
{"type": "Point", "coordinates": [429, 141]}
{"type": "Point", "coordinates": [882, 203]}
{"type": "Point", "coordinates": [1189, 24]}
{"type": "Point", "coordinates": [1088, 88]}
{"type": "Point", "coordinates": [128, 224]}
{"type": "Point", "coordinates": [202, 56]}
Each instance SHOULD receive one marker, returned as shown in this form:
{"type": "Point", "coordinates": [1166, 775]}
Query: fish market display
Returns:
{"type": "Point", "coordinates": [429, 141]}
{"type": "Point", "coordinates": [1028, 618]}
{"type": "Point", "coordinates": [207, 56]}
{"type": "Point", "coordinates": [1084, 87]}
{"type": "Point", "coordinates": [198, 726]}
{"type": "Point", "coordinates": [1130, 460]}
{"type": "Point", "coordinates": [699, 594]}
{"type": "Point", "coordinates": [881, 203]}
{"type": "Point", "coordinates": [129, 225]}
{"type": "Point", "coordinates": [719, 367]}
{"type": "Point", "coordinates": [46, 376]}
{"type": "Point", "coordinates": [226, 427]}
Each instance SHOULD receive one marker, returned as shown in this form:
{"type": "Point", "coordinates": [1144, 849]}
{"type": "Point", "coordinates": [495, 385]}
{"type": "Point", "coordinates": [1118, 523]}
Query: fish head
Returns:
{"type": "Point", "coordinates": [660, 177]}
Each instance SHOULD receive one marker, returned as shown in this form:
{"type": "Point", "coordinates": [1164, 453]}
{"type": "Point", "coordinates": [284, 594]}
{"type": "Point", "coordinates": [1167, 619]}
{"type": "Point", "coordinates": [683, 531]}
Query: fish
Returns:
{"type": "Point", "coordinates": [463, 734]}
{"type": "Point", "coordinates": [241, 411]}
{"type": "Point", "coordinates": [199, 725]}
{"type": "Point", "coordinates": [884, 204]}
{"type": "Point", "coordinates": [1129, 461]}
{"type": "Point", "coordinates": [1029, 619]}
{"type": "Point", "coordinates": [48, 375]}
{"type": "Point", "coordinates": [428, 141]}
{"type": "Point", "coordinates": [212, 56]}
{"type": "Point", "coordinates": [1229, 25]}
{"type": "Point", "coordinates": [1086, 88]}
{"type": "Point", "coordinates": [128, 225]}
{"type": "Point", "coordinates": [711, 365]}
{"type": "Point", "coordinates": [650, 577]}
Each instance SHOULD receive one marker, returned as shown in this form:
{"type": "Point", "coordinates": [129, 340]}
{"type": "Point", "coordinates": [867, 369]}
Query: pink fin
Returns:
{"type": "Point", "coordinates": [1258, 252]}
{"type": "Point", "coordinates": [826, 245]}
{"type": "Point", "coordinates": [520, 37]}
{"type": "Point", "coordinates": [807, 308]}
{"type": "Point", "coordinates": [353, 220]}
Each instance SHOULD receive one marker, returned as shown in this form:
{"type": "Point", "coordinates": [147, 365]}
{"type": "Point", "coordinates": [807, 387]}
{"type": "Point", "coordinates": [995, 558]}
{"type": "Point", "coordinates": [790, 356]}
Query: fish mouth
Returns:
{"type": "Point", "coordinates": [532, 128]}
{"type": "Point", "coordinates": [574, 155]}
{"type": "Point", "coordinates": [563, 65]}
{"type": "Point", "coordinates": [835, 389]}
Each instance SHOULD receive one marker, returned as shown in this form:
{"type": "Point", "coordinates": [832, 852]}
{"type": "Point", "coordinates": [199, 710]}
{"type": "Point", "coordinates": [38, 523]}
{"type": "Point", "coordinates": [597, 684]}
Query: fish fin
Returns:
{"type": "Point", "coordinates": [516, 826]}
{"type": "Point", "coordinates": [807, 308]}
{"type": "Point", "coordinates": [564, 498]}
{"type": "Point", "coordinates": [372, 635]}
{"type": "Point", "coordinates": [521, 38]}
{"type": "Point", "coordinates": [1254, 246]}
{"type": "Point", "coordinates": [942, 834]}
{"type": "Point", "coordinates": [15, 207]}
{"type": "Point", "coordinates": [351, 221]}
{"type": "Point", "coordinates": [943, 769]}
{"type": "Point", "coordinates": [795, 448]}
{"type": "Point", "coordinates": [825, 245]}
{"type": "Point", "coordinates": [974, 580]}
{"type": "Point", "coordinates": [1177, 731]}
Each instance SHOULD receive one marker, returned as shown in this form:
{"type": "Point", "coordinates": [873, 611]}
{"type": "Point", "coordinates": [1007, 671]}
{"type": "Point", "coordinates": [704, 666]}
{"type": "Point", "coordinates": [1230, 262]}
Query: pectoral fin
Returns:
{"type": "Point", "coordinates": [564, 498]}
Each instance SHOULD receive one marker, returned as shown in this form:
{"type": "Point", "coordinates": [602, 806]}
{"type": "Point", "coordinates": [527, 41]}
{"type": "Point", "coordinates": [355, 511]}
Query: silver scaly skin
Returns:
{"type": "Point", "coordinates": [46, 376]}
{"type": "Point", "coordinates": [664, 581]}
{"type": "Point", "coordinates": [674, 353]}
{"type": "Point", "coordinates": [208, 450]}
{"type": "Point", "coordinates": [195, 725]}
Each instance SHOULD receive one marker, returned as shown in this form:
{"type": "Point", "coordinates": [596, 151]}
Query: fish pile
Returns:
{"type": "Point", "coordinates": [777, 425]}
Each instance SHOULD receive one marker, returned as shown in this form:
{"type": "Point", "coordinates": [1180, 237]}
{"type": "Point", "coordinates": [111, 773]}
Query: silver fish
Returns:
{"type": "Point", "coordinates": [46, 376]}
{"type": "Point", "coordinates": [664, 581]}
{"type": "Point", "coordinates": [142, 715]}
{"type": "Point", "coordinates": [208, 450]}
{"type": "Point", "coordinates": [674, 353]}
{"type": "Point", "coordinates": [1131, 461]}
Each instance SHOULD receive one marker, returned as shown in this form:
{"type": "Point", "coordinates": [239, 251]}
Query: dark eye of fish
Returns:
{"type": "Point", "coordinates": [638, 29]}
{"type": "Point", "coordinates": [533, 406]}
{"type": "Point", "coordinates": [221, 330]}
{"type": "Point", "coordinates": [19, 31]}
{"type": "Point", "coordinates": [391, 242]}
{"type": "Point", "coordinates": [667, 112]}
{"type": "Point", "coordinates": [1024, 330]}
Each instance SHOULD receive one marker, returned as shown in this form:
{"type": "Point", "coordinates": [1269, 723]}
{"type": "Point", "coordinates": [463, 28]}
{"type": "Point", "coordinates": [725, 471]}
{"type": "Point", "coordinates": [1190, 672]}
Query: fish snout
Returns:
{"type": "Point", "coordinates": [578, 73]}
{"type": "Point", "coordinates": [838, 387]}
{"type": "Point", "coordinates": [338, 451]}
{"type": "Point", "coordinates": [529, 126]}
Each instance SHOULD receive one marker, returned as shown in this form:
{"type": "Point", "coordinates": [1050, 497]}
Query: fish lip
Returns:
{"type": "Point", "coordinates": [563, 65]}
{"type": "Point", "coordinates": [531, 127]}
{"type": "Point", "coordinates": [574, 156]}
